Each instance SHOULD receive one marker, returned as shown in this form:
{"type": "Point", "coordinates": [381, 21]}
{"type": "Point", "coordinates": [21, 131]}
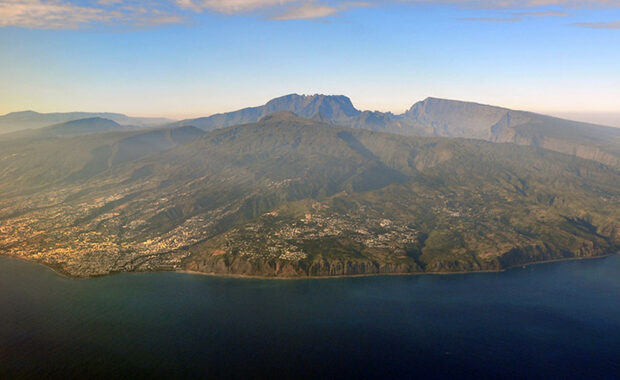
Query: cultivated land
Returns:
{"type": "Point", "coordinates": [291, 197]}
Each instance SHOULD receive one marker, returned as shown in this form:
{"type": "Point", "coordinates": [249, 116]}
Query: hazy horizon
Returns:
{"type": "Point", "coordinates": [611, 119]}
{"type": "Point", "coordinates": [189, 58]}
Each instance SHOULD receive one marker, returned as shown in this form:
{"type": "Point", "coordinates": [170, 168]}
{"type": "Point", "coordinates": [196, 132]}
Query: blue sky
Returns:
{"type": "Point", "coordinates": [185, 58]}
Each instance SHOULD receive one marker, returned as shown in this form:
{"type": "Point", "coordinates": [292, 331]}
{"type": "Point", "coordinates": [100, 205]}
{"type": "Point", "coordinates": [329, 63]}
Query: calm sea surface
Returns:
{"type": "Point", "coordinates": [558, 320]}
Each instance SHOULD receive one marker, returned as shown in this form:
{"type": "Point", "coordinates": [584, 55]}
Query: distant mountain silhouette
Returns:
{"type": "Point", "coordinates": [68, 129]}
{"type": "Point", "coordinates": [17, 121]}
{"type": "Point", "coordinates": [81, 126]}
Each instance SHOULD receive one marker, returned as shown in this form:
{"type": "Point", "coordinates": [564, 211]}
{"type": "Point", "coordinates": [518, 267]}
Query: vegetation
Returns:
{"type": "Point", "coordinates": [293, 197]}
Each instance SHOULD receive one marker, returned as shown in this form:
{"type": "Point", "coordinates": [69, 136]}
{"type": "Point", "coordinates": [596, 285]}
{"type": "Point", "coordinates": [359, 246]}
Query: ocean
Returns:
{"type": "Point", "coordinates": [555, 320]}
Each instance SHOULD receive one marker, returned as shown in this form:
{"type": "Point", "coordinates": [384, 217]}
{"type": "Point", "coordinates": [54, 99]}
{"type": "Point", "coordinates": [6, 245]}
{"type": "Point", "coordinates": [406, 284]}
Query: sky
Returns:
{"type": "Point", "coordinates": [190, 58]}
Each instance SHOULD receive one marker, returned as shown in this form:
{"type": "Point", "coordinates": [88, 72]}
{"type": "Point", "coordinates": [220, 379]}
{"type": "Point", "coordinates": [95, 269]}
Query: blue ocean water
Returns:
{"type": "Point", "coordinates": [557, 320]}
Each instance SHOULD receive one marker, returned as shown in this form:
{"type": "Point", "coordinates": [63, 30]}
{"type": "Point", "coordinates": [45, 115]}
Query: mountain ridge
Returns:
{"type": "Point", "coordinates": [442, 118]}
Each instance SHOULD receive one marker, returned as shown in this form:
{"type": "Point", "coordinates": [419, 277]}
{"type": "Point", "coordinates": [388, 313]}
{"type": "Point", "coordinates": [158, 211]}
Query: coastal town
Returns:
{"type": "Point", "coordinates": [115, 233]}
{"type": "Point", "coordinates": [276, 236]}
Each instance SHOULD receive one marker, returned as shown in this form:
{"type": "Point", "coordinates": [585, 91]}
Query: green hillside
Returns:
{"type": "Point", "coordinates": [292, 197]}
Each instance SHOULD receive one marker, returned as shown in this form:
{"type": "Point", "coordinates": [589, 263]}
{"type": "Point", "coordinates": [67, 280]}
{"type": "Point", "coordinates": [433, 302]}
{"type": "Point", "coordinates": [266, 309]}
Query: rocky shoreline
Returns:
{"type": "Point", "coordinates": [318, 267]}
{"type": "Point", "coordinates": [60, 272]}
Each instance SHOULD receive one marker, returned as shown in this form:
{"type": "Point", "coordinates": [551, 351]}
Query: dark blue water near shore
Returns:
{"type": "Point", "coordinates": [557, 320]}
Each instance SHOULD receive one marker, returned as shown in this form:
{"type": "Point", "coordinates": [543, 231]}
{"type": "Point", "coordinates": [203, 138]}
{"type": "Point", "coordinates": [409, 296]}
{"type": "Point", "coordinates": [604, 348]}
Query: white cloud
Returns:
{"type": "Point", "coordinates": [599, 25]}
{"type": "Point", "coordinates": [48, 15]}
{"type": "Point", "coordinates": [542, 14]}
{"type": "Point", "coordinates": [58, 14]}
{"type": "Point", "coordinates": [521, 4]}
{"type": "Point", "coordinates": [231, 6]}
{"type": "Point", "coordinates": [312, 10]}
{"type": "Point", "coordinates": [109, 2]}
{"type": "Point", "coordinates": [516, 17]}
{"type": "Point", "coordinates": [307, 11]}
{"type": "Point", "coordinates": [279, 9]}
{"type": "Point", "coordinates": [69, 14]}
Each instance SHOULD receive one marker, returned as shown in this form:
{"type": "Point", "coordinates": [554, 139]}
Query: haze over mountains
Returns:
{"type": "Point", "coordinates": [17, 121]}
{"type": "Point", "coordinates": [430, 117]}
{"type": "Point", "coordinates": [69, 128]}
{"type": "Point", "coordinates": [442, 118]}
{"type": "Point", "coordinates": [291, 196]}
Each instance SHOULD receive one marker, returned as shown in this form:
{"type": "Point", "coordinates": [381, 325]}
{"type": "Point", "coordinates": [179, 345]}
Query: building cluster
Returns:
{"type": "Point", "coordinates": [274, 237]}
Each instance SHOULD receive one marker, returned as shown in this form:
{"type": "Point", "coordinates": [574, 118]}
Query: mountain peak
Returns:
{"type": "Point", "coordinates": [88, 121]}
{"type": "Point", "coordinates": [335, 109]}
{"type": "Point", "coordinates": [307, 106]}
{"type": "Point", "coordinates": [82, 126]}
{"type": "Point", "coordinates": [433, 101]}
{"type": "Point", "coordinates": [310, 97]}
{"type": "Point", "coordinates": [22, 113]}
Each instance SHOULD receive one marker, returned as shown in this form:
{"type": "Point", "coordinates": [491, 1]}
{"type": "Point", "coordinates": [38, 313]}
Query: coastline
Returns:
{"type": "Point", "coordinates": [56, 271]}
{"type": "Point", "coordinates": [65, 275]}
{"type": "Point", "coordinates": [254, 277]}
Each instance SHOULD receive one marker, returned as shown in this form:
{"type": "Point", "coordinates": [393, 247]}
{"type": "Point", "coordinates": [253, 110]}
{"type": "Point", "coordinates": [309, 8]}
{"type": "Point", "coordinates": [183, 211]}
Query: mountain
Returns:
{"type": "Point", "coordinates": [17, 121]}
{"type": "Point", "coordinates": [334, 108]}
{"type": "Point", "coordinates": [81, 126]}
{"type": "Point", "coordinates": [443, 118]}
{"type": "Point", "coordinates": [69, 128]}
{"type": "Point", "coordinates": [439, 117]}
{"type": "Point", "coordinates": [291, 197]}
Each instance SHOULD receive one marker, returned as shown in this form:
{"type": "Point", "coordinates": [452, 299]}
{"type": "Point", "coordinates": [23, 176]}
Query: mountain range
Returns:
{"type": "Point", "coordinates": [441, 118]}
{"type": "Point", "coordinates": [430, 117]}
{"type": "Point", "coordinates": [288, 196]}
